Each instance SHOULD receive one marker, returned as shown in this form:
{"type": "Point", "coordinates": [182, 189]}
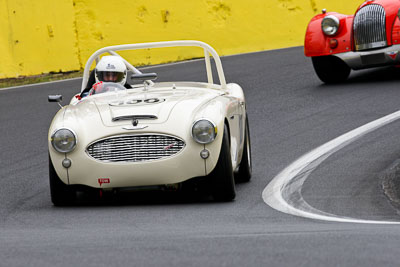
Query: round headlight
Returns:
{"type": "Point", "coordinates": [330, 25]}
{"type": "Point", "coordinates": [63, 140]}
{"type": "Point", "coordinates": [204, 131]}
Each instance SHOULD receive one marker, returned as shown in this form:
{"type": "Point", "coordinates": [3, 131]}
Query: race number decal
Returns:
{"type": "Point", "coordinates": [138, 102]}
{"type": "Point", "coordinates": [104, 181]}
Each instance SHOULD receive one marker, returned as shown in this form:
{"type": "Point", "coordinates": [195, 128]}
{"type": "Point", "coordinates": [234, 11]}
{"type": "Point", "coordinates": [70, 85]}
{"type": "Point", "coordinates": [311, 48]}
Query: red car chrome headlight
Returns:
{"type": "Point", "coordinates": [330, 25]}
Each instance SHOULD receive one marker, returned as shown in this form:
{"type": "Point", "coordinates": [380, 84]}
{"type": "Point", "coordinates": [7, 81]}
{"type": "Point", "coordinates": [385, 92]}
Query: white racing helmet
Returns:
{"type": "Point", "coordinates": [111, 69]}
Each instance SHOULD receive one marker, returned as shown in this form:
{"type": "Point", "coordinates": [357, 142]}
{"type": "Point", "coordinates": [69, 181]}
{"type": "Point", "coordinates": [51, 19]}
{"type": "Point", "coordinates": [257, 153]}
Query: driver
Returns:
{"type": "Point", "coordinates": [109, 69]}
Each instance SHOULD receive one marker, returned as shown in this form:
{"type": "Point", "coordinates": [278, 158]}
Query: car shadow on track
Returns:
{"type": "Point", "coordinates": [144, 197]}
{"type": "Point", "coordinates": [378, 75]}
{"type": "Point", "coordinates": [383, 74]}
{"type": "Point", "coordinates": [147, 197]}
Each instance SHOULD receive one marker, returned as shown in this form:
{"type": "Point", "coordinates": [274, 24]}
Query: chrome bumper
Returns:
{"type": "Point", "coordinates": [374, 58]}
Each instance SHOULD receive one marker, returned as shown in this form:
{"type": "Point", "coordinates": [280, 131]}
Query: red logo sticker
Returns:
{"type": "Point", "coordinates": [393, 55]}
{"type": "Point", "coordinates": [169, 146]}
{"type": "Point", "coordinates": [104, 181]}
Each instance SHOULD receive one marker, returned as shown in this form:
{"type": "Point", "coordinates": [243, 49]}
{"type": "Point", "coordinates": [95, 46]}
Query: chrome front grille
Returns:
{"type": "Point", "coordinates": [370, 28]}
{"type": "Point", "coordinates": [135, 148]}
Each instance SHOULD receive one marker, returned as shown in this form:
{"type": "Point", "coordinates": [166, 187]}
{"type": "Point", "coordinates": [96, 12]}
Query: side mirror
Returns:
{"type": "Point", "coordinates": [55, 98]}
{"type": "Point", "coordinates": [144, 76]}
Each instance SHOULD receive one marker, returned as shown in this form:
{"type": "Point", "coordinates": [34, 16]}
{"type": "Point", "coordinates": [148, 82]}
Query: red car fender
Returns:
{"type": "Point", "coordinates": [316, 43]}
{"type": "Point", "coordinates": [396, 32]}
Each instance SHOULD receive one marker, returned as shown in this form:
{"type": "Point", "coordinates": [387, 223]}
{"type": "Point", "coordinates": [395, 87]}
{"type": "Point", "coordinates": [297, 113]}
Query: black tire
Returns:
{"type": "Point", "coordinates": [245, 167]}
{"type": "Point", "coordinates": [221, 178]}
{"type": "Point", "coordinates": [331, 69]}
{"type": "Point", "coordinates": [61, 194]}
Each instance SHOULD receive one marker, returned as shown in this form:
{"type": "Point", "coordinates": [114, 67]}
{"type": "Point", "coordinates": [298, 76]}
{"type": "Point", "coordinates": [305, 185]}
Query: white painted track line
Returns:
{"type": "Point", "coordinates": [283, 193]}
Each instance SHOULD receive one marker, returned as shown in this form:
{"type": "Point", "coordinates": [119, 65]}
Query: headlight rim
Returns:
{"type": "Point", "coordinates": [336, 20]}
{"type": "Point", "coordinates": [212, 123]}
{"type": "Point", "coordinates": [73, 133]}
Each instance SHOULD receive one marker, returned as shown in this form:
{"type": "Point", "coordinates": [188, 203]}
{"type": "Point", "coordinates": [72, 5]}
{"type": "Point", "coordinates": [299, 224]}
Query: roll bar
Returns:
{"type": "Point", "coordinates": [208, 50]}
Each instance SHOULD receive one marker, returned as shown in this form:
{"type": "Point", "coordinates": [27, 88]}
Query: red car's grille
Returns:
{"type": "Point", "coordinates": [369, 28]}
{"type": "Point", "coordinates": [135, 148]}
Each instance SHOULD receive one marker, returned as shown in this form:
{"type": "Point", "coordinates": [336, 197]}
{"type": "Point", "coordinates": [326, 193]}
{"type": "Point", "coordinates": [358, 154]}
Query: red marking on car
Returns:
{"type": "Point", "coordinates": [169, 146]}
{"type": "Point", "coordinates": [97, 88]}
{"type": "Point", "coordinates": [104, 181]}
{"type": "Point", "coordinates": [393, 55]}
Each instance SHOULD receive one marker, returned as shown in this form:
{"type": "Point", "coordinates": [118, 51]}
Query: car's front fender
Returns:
{"type": "Point", "coordinates": [316, 43]}
{"type": "Point", "coordinates": [219, 110]}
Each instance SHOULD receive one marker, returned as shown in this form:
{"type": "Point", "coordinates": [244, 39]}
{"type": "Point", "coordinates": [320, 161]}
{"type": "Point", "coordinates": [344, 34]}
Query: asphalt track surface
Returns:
{"type": "Point", "coordinates": [290, 113]}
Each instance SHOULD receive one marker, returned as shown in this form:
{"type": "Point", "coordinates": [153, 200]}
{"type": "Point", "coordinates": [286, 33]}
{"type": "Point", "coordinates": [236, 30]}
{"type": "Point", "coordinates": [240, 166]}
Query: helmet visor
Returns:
{"type": "Point", "coordinates": [110, 76]}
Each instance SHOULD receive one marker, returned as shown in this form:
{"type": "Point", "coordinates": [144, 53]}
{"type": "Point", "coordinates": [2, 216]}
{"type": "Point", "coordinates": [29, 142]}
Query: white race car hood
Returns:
{"type": "Point", "coordinates": [153, 106]}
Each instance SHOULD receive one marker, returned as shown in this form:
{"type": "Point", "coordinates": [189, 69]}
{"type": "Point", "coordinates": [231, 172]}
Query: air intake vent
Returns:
{"type": "Point", "coordinates": [370, 28]}
{"type": "Point", "coordinates": [135, 148]}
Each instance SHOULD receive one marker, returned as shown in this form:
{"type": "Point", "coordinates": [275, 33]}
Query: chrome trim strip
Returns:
{"type": "Point", "coordinates": [135, 117]}
{"type": "Point", "coordinates": [135, 127]}
{"type": "Point", "coordinates": [370, 46]}
{"type": "Point", "coordinates": [353, 59]}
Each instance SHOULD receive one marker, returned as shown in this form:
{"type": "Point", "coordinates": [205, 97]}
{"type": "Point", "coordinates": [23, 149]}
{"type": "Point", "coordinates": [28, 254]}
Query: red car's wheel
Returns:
{"type": "Point", "coordinates": [331, 69]}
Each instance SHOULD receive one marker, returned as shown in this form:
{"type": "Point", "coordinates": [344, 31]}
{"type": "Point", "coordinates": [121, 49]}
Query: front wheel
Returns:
{"type": "Point", "coordinates": [221, 178]}
{"type": "Point", "coordinates": [61, 194]}
{"type": "Point", "coordinates": [331, 69]}
{"type": "Point", "coordinates": [245, 167]}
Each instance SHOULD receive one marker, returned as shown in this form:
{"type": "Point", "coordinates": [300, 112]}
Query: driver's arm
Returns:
{"type": "Point", "coordinates": [89, 84]}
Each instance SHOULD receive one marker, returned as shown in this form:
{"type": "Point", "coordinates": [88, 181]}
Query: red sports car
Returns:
{"type": "Point", "coordinates": [338, 43]}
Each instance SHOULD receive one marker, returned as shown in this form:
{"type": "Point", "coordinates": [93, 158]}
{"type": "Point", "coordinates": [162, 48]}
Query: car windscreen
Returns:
{"type": "Point", "coordinates": [106, 87]}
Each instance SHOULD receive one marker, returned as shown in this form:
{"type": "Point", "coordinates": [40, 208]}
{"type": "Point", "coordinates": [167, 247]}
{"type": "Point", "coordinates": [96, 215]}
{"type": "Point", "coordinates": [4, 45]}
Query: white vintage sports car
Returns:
{"type": "Point", "coordinates": [155, 134]}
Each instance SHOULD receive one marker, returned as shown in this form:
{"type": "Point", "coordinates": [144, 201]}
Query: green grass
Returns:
{"type": "Point", "coordinates": [48, 77]}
